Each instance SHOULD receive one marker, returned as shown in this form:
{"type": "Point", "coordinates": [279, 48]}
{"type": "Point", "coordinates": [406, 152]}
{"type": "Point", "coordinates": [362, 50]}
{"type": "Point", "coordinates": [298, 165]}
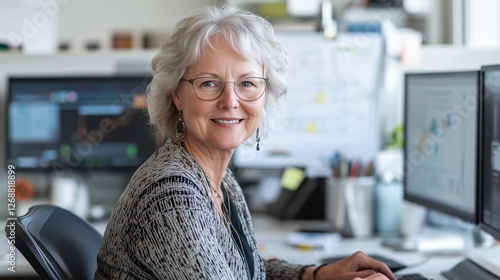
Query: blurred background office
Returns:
{"type": "Point", "coordinates": [77, 26]}
{"type": "Point", "coordinates": [73, 76]}
{"type": "Point", "coordinates": [373, 44]}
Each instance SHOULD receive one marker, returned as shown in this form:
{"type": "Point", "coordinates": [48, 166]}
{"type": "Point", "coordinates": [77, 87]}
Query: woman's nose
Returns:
{"type": "Point", "coordinates": [229, 98]}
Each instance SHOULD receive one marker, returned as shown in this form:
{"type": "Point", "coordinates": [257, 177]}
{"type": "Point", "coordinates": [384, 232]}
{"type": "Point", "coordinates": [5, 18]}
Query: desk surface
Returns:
{"type": "Point", "coordinates": [271, 236]}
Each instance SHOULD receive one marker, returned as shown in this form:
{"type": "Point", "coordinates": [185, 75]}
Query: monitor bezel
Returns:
{"type": "Point", "coordinates": [495, 232]}
{"type": "Point", "coordinates": [430, 204]}
{"type": "Point", "coordinates": [144, 78]}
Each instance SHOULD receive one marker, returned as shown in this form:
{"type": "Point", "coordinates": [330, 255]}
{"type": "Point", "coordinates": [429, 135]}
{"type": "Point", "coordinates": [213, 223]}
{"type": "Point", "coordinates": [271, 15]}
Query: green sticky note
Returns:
{"type": "Point", "coordinates": [292, 178]}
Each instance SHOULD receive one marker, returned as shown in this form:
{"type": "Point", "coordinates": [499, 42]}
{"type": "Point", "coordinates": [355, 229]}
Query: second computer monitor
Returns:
{"type": "Point", "coordinates": [490, 150]}
{"type": "Point", "coordinates": [441, 119]}
{"type": "Point", "coordinates": [482, 262]}
{"type": "Point", "coordinates": [78, 123]}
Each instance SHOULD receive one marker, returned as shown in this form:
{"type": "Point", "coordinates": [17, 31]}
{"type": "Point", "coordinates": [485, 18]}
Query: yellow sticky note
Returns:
{"type": "Point", "coordinates": [312, 128]}
{"type": "Point", "coordinates": [292, 178]}
{"type": "Point", "coordinates": [320, 97]}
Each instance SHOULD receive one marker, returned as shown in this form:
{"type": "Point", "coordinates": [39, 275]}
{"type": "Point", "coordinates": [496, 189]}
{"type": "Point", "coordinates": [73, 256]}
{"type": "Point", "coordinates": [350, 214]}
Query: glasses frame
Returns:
{"type": "Point", "coordinates": [191, 81]}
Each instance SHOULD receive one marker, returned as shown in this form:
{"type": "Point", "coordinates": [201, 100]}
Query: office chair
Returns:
{"type": "Point", "coordinates": [57, 243]}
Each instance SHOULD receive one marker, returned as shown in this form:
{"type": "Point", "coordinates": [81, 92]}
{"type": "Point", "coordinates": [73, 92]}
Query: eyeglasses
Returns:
{"type": "Point", "coordinates": [247, 89]}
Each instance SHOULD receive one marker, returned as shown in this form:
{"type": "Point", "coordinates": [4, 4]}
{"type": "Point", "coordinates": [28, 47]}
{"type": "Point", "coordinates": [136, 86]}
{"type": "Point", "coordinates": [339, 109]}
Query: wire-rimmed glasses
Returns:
{"type": "Point", "coordinates": [210, 88]}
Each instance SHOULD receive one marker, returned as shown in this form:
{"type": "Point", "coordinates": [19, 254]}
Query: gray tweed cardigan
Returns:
{"type": "Point", "coordinates": [165, 226]}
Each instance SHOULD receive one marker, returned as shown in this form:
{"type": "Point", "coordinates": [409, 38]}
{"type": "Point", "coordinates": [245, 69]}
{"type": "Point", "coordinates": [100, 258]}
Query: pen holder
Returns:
{"type": "Point", "coordinates": [350, 205]}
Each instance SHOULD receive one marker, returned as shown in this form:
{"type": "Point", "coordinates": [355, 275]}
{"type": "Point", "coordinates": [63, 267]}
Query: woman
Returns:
{"type": "Point", "coordinates": [216, 83]}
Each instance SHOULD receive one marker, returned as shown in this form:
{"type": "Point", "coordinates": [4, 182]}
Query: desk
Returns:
{"type": "Point", "coordinates": [271, 236]}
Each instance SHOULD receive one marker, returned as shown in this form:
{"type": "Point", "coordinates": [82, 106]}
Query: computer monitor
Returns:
{"type": "Point", "coordinates": [489, 176]}
{"type": "Point", "coordinates": [440, 142]}
{"type": "Point", "coordinates": [482, 263]}
{"type": "Point", "coordinates": [77, 123]}
{"type": "Point", "coordinates": [489, 213]}
{"type": "Point", "coordinates": [440, 148]}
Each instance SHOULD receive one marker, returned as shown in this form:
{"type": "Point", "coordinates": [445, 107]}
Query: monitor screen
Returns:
{"type": "Point", "coordinates": [60, 123]}
{"type": "Point", "coordinates": [440, 145]}
{"type": "Point", "coordinates": [490, 151]}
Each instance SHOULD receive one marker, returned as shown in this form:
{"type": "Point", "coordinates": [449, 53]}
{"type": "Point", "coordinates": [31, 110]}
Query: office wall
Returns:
{"type": "Point", "coordinates": [433, 58]}
{"type": "Point", "coordinates": [447, 57]}
{"type": "Point", "coordinates": [41, 25]}
{"type": "Point", "coordinates": [81, 21]}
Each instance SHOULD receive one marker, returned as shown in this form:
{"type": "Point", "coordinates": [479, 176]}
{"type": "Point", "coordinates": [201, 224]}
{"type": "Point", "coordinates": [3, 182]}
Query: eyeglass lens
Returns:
{"type": "Point", "coordinates": [247, 89]}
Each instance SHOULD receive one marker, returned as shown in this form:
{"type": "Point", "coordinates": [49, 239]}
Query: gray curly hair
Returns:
{"type": "Point", "coordinates": [250, 35]}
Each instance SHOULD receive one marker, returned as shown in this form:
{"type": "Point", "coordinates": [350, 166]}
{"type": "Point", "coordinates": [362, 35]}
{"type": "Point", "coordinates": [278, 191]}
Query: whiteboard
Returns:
{"type": "Point", "coordinates": [331, 103]}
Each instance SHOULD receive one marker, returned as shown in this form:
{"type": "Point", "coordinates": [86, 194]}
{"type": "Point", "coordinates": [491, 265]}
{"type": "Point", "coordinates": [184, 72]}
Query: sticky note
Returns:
{"type": "Point", "coordinates": [292, 178]}
{"type": "Point", "coordinates": [312, 128]}
{"type": "Point", "coordinates": [320, 97]}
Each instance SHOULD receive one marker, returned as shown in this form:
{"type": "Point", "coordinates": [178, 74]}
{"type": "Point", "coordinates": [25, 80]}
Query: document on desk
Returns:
{"type": "Point", "coordinates": [313, 240]}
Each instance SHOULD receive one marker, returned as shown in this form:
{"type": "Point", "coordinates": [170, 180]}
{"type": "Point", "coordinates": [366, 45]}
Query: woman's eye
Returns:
{"type": "Point", "coordinates": [208, 84]}
{"type": "Point", "coordinates": [246, 84]}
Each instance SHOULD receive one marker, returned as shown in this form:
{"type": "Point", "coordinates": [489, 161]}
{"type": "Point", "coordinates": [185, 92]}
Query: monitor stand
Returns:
{"type": "Point", "coordinates": [428, 240]}
{"type": "Point", "coordinates": [480, 264]}
{"type": "Point", "coordinates": [481, 238]}
{"type": "Point", "coordinates": [441, 240]}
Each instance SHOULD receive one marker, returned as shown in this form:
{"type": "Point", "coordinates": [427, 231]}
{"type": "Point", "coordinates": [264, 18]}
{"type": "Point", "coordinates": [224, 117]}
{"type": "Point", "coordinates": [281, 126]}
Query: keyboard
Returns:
{"type": "Point", "coordinates": [467, 269]}
{"type": "Point", "coordinates": [391, 263]}
{"type": "Point", "coordinates": [411, 276]}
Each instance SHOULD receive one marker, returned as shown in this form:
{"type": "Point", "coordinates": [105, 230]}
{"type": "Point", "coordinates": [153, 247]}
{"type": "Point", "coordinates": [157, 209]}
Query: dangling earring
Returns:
{"type": "Point", "coordinates": [257, 135]}
{"type": "Point", "coordinates": [180, 127]}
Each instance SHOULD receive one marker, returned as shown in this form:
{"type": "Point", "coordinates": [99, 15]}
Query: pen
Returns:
{"type": "Point", "coordinates": [368, 169]}
{"type": "Point", "coordinates": [305, 247]}
{"type": "Point", "coordinates": [354, 169]}
{"type": "Point", "coordinates": [334, 163]}
{"type": "Point", "coordinates": [344, 166]}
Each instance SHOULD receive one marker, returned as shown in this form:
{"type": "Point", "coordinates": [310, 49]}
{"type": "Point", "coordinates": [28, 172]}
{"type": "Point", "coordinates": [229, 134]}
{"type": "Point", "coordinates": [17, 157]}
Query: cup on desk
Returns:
{"type": "Point", "coordinates": [388, 205]}
{"type": "Point", "coordinates": [350, 205]}
{"type": "Point", "coordinates": [413, 218]}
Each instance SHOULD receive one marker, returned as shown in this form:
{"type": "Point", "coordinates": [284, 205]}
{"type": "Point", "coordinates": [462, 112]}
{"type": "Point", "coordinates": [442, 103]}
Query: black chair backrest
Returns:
{"type": "Point", "coordinates": [57, 243]}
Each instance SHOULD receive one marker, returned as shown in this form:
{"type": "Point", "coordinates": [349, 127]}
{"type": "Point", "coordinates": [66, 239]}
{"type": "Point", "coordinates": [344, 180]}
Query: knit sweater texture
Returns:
{"type": "Point", "coordinates": [166, 226]}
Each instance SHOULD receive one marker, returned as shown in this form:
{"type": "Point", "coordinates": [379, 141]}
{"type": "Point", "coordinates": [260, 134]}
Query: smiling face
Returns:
{"type": "Point", "coordinates": [224, 123]}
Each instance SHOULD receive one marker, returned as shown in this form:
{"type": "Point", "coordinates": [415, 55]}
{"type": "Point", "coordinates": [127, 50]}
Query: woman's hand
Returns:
{"type": "Point", "coordinates": [375, 276]}
{"type": "Point", "coordinates": [357, 266]}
